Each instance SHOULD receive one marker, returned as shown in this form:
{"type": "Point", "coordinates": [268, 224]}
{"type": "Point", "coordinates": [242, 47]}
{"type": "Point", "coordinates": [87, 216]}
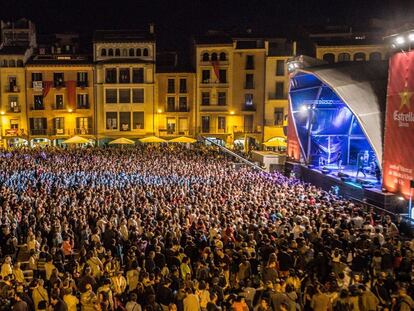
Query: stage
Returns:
{"type": "Point", "coordinates": [362, 188]}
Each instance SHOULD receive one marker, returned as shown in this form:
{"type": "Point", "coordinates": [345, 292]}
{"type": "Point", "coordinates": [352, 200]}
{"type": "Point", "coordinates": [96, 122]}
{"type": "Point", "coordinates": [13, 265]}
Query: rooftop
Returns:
{"type": "Point", "coordinates": [130, 35]}
{"type": "Point", "coordinates": [13, 50]}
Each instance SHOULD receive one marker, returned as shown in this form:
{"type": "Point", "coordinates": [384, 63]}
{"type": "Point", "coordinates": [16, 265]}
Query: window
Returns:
{"type": "Point", "coordinates": [103, 52]}
{"type": "Point", "coordinates": [82, 79]}
{"type": "Point", "coordinates": [125, 121]}
{"type": "Point", "coordinates": [170, 104]}
{"type": "Point", "coordinates": [329, 58]}
{"type": "Point", "coordinates": [183, 85]}
{"type": "Point", "coordinates": [138, 120]}
{"type": "Point", "coordinates": [344, 57]}
{"type": "Point", "coordinates": [38, 102]}
{"type": "Point", "coordinates": [38, 126]}
{"type": "Point", "coordinates": [82, 101]}
{"type": "Point", "coordinates": [145, 52]}
{"type": "Point", "coordinates": [206, 57]}
{"type": "Point", "coordinates": [59, 102]}
{"type": "Point", "coordinates": [205, 124]}
{"type": "Point", "coordinates": [124, 75]}
{"type": "Point", "coordinates": [223, 56]}
{"type": "Point", "coordinates": [58, 79]}
{"type": "Point", "coordinates": [171, 86]}
{"type": "Point", "coordinates": [248, 100]}
{"type": "Point", "coordinates": [138, 52]}
{"type": "Point", "coordinates": [117, 52]}
{"type": "Point", "coordinates": [223, 76]}
{"type": "Point", "coordinates": [278, 116]}
{"type": "Point", "coordinates": [124, 96]}
{"type": "Point", "coordinates": [138, 96]}
{"type": "Point", "coordinates": [4, 63]}
{"type": "Point", "coordinates": [205, 76]}
{"type": "Point", "coordinates": [359, 57]}
{"type": "Point", "coordinates": [249, 81]}
{"type": "Point", "coordinates": [111, 120]}
{"type": "Point", "coordinates": [110, 75]}
{"type": "Point", "coordinates": [12, 87]}
{"type": "Point", "coordinates": [375, 56]}
{"type": "Point", "coordinates": [58, 124]}
{"type": "Point", "coordinates": [83, 125]}
{"type": "Point", "coordinates": [131, 52]}
{"type": "Point", "coordinates": [14, 124]}
{"type": "Point", "coordinates": [182, 103]}
{"type": "Point", "coordinates": [110, 52]}
{"type": "Point", "coordinates": [280, 92]}
{"type": "Point", "coordinates": [124, 52]}
{"type": "Point", "coordinates": [171, 125]}
{"type": "Point", "coordinates": [12, 63]}
{"type": "Point", "coordinates": [138, 75]}
{"type": "Point", "coordinates": [280, 67]}
{"type": "Point", "coordinates": [14, 104]}
{"type": "Point", "coordinates": [111, 96]}
{"type": "Point", "coordinates": [37, 76]}
{"type": "Point", "coordinates": [221, 124]}
{"type": "Point", "coordinates": [214, 57]}
{"type": "Point", "coordinates": [221, 98]}
{"type": "Point", "coordinates": [249, 62]}
{"type": "Point", "coordinates": [205, 98]}
{"type": "Point", "coordinates": [19, 63]}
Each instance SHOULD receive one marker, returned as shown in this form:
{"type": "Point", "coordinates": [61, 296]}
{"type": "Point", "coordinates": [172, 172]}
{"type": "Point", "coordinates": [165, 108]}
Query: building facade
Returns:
{"type": "Point", "coordinates": [125, 83]}
{"type": "Point", "coordinates": [59, 92]}
{"type": "Point", "coordinates": [175, 103]}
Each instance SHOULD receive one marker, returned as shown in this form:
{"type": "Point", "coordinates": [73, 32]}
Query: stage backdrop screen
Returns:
{"type": "Point", "coordinates": [399, 125]}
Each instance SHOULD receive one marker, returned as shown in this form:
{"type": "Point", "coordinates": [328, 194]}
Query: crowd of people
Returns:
{"type": "Point", "coordinates": [162, 228]}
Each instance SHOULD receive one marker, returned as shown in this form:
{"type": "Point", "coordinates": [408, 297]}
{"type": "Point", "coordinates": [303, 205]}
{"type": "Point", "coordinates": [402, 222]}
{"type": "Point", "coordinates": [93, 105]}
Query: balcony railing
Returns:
{"type": "Point", "coordinates": [248, 107]}
{"type": "Point", "coordinates": [177, 109]}
{"type": "Point", "coordinates": [84, 131]}
{"type": "Point", "coordinates": [83, 106]}
{"type": "Point", "coordinates": [82, 83]}
{"type": "Point", "coordinates": [59, 132]}
{"type": "Point", "coordinates": [37, 107]}
{"type": "Point", "coordinates": [15, 109]}
{"type": "Point", "coordinates": [12, 89]}
{"type": "Point", "coordinates": [38, 132]}
{"type": "Point", "coordinates": [58, 84]}
{"type": "Point", "coordinates": [275, 96]}
{"type": "Point", "coordinates": [246, 129]}
{"type": "Point", "coordinates": [249, 86]}
{"type": "Point", "coordinates": [58, 107]}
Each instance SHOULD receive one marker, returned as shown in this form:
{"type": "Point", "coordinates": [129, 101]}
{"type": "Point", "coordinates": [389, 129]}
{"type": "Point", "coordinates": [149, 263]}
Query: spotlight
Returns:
{"type": "Point", "coordinates": [401, 198]}
{"type": "Point", "coordinates": [400, 40]}
{"type": "Point", "coordinates": [232, 112]}
{"type": "Point", "coordinates": [393, 46]}
{"type": "Point", "coordinates": [411, 37]}
{"type": "Point", "coordinates": [303, 108]}
{"type": "Point", "coordinates": [2, 113]}
{"type": "Point", "coordinates": [159, 110]}
{"type": "Point", "coordinates": [70, 110]}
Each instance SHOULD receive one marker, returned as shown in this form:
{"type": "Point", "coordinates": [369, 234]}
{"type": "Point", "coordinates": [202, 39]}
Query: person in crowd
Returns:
{"type": "Point", "coordinates": [171, 228]}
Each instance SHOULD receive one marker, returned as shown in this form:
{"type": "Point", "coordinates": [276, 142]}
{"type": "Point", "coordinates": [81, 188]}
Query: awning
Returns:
{"type": "Point", "coordinates": [183, 139]}
{"type": "Point", "coordinates": [152, 139]}
{"type": "Point", "coordinates": [76, 140]}
{"type": "Point", "coordinates": [122, 141]}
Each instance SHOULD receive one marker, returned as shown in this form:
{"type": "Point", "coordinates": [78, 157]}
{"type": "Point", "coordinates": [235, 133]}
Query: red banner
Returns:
{"type": "Point", "coordinates": [71, 92]}
{"type": "Point", "coordinates": [216, 69]}
{"type": "Point", "coordinates": [398, 169]}
{"type": "Point", "coordinates": [46, 87]}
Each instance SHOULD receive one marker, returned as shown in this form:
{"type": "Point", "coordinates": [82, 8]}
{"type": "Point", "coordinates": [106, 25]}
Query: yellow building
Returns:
{"type": "Point", "coordinates": [13, 96]}
{"type": "Point", "coordinates": [125, 83]}
{"type": "Point", "coordinates": [215, 112]}
{"type": "Point", "coordinates": [59, 92]}
{"type": "Point", "coordinates": [175, 111]}
{"type": "Point", "coordinates": [277, 87]}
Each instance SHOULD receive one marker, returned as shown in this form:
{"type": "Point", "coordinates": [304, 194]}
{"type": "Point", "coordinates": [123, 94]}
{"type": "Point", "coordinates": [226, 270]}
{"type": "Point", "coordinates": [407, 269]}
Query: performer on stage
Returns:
{"type": "Point", "coordinates": [360, 167]}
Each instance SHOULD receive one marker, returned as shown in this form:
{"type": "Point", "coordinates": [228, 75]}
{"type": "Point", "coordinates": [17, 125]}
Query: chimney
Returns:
{"type": "Point", "coordinates": [152, 28]}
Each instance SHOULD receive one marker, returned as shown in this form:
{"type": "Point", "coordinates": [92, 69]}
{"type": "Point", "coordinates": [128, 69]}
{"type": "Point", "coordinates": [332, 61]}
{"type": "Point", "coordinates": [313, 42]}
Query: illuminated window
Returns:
{"type": "Point", "coordinates": [111, 120]}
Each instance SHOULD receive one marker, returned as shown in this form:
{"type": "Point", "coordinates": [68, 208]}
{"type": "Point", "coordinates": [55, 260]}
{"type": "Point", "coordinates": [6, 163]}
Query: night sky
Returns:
{"type": "Point", "coordinates": [183, 17]}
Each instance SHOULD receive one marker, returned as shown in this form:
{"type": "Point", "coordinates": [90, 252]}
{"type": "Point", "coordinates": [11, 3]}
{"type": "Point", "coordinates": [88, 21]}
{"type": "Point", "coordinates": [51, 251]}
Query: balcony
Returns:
{"type": "Point", "coordinates": [58, 106]}
{"type": "Point", "coordinates": [42, 132]}
{"type": "Point", "coordinates": [37, 86]}
{"type": "Point", "coordinates": [211, 82]}
{"type": "Point", "coordinates": [82, 83]}
{"type": "Point", "coordinates": [275, 96]}
{"type": "Point", "coordinates": [15, 109]}
{"type": "Point", "coordinates": [59, 132]}
{"type": "Point", "coordinates": [84, 131]}
{"type": "Point", "coordinates": [58, 84]}
{"type": "Point", "coordinates": [249, 86]}
{"type": "Point", "coordinates": [248, 107]}
{"type": "Point", "coordinates": [247, 129]}
{"type": "Point", "coordinates": [37, 107]}
{"type": "Point", "coordinates": [83, 106]}
{"type": "Point", "coordinates": [179, 109]}
{"type": "Point", "coordinates": [12, 89]}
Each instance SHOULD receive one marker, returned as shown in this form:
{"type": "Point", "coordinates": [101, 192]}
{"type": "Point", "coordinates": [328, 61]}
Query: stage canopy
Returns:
{"type": "Point", "coordinates": [338, 112]}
